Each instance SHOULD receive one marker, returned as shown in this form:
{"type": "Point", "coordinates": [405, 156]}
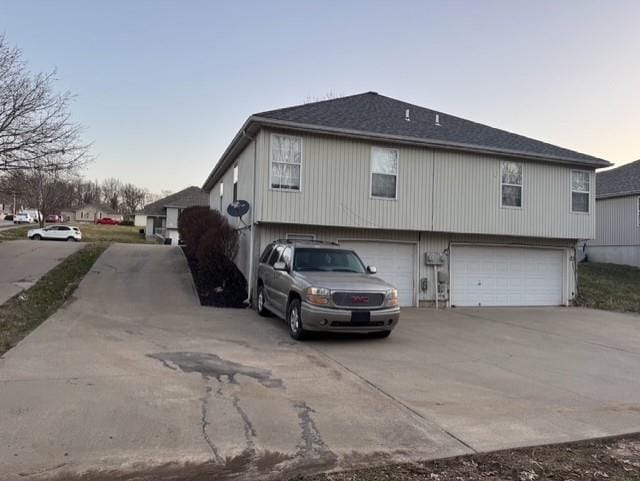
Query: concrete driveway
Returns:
{"type": "Point", "coordinates": [23, 262]}
{"type": "Point", "coordinates": [134, 373]}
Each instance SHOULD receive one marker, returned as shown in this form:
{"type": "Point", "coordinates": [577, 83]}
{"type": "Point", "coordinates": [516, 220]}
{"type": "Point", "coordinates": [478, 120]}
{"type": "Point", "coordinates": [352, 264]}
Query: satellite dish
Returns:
{"type": "Point", "coordinates": [238, 208]}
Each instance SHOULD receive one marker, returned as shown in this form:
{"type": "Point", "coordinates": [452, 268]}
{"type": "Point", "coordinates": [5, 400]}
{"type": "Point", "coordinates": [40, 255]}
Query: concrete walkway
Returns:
{"type": "Point", "coordinates": [135, 373]}
{"type": "Point", "coordinates": [23, 262]}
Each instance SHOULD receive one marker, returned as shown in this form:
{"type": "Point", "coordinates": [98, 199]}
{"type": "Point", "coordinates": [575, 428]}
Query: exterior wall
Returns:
{"type": "Point", "coordinates": [618, 254]}
{"type": "Point", "coordinates": [424, 241]}
{"type": "Point", "coordinates": [172, 217]}
{"type": "Point", "coordinates": [617, 222]}
{"type": "Point", "coordinates": [467, 199]}
{"type": "Point", "coordinates": [148, 230]}
{"type": "Point", "coordinates": [617, 232]}
{"type": "Point", "coordinates": [140, 220]}
{"type": "Point", "coordinates": [173, 235]}
{"type": "Point", "coordinates": [437, 191]}
{"type": "Point", "coordinates": [245, 163]}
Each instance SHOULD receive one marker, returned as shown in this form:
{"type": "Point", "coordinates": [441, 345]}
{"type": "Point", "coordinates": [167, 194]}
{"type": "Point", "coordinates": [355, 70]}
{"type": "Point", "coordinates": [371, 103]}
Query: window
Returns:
{"type": "Point", "coordinates": [580, 188]}
{"type": "Point", "coordinates": [275, 255]}
{"type": "Point", "coordinates": [327, 260]}
{"type": "Point", "coordinates": [286, 256]}
{"type": "Point", "coordinates": [384, 173]}
{"type": "Point", "coordinates": [638, 211]}
{"type": "Point", "coordinates": [286, 162]}
{"type": "Point", "coordinates": [308, 237]}
{"type": "Point", "coordinates": [511, 184]}
{"type": "Point", "coordinates": [221, 194]}
{"type": "Point", "coordinates": [265, 255]}
{"type": "Point", "coordinates": [235, 183]}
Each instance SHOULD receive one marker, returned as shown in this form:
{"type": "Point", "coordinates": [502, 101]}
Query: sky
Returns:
{"type": "Point", "coordinates": [163, 86]}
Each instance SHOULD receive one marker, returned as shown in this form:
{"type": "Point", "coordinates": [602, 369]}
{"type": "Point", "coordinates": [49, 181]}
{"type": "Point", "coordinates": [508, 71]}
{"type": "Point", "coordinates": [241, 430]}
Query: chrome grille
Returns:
{"type": "Point", "coordinates": [358, 299]}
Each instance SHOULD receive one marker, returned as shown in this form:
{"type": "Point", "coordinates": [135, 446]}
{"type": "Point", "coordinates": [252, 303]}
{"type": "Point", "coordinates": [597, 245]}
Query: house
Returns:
{"type": "Point", "coordinates": [90, 213]}
{"type": "Point", "coordinates": [448, 210]}
{"type": "Point", "coordinates": [617, 238]}
{"type": "Point", "coordinates": [161, 216]}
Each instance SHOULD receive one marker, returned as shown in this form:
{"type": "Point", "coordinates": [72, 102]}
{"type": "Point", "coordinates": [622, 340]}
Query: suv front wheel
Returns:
{"type": "Point", "coordinates": [261, 309]}
{"type": "Point", "coordinates": [294, 320]}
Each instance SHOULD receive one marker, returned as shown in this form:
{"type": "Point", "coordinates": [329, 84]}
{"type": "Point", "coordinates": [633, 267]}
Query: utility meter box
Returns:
{"type": "Point", "coordinates": [434, 258]}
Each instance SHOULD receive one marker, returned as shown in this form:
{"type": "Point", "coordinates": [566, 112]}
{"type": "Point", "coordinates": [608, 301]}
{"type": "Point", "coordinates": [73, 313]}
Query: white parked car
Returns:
{"type": "Point", "coordinates": [56, 232]}
{"type": "Point", "coordinates": [28, 216]}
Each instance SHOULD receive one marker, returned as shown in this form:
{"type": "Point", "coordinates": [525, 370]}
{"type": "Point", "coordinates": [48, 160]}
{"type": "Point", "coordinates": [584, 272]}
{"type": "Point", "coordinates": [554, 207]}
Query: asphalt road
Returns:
{"type": "Point", "coordinates": [135, 373]}
{"type": "Point", "coordinates": [23, 262]}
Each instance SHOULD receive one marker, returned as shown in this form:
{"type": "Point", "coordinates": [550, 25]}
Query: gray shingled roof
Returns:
{"type": "Point", "coordinates": [372, 116]}
{"type": "Point", "coordinates": [185, 198]}
{"type": "Point", "coordinates": [623, 180]}
{"type": "Point", "coordinates": [374, 113]}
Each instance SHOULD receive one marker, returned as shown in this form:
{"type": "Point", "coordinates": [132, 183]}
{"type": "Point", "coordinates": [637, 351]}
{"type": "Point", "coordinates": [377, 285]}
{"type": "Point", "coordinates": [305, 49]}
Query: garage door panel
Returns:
{"type": "Point", "coordinates": [506, 276]}
{"type": "Point", "coordinates": [395, 263]}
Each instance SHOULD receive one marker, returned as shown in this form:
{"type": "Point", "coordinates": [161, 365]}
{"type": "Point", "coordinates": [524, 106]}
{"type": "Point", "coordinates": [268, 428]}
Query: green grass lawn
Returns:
{"type": "Point", "coordinates": [24, 312]}
{"type": "Point", "coordinates": [609, 286]}
{"type": "Point", "coordinates": [90, 233]}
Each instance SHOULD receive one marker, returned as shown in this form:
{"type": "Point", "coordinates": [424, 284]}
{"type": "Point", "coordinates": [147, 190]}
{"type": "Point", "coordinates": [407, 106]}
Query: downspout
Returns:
{"type": "Point", "coordinates": [253, 214]}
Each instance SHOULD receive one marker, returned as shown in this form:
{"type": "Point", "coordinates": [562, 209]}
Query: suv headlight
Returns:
{"type": "Point", "coordinates": [392, 298]}
{"type": "Point", "coordinates": [317, 295]}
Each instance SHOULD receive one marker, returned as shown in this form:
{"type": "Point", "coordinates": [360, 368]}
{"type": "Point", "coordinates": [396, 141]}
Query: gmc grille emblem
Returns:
{"type": "Point", "coordinates": [360, 299]}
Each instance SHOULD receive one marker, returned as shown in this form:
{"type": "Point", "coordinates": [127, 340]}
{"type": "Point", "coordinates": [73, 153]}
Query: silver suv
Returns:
{"type": "Point", "coordinates": [318, 286]}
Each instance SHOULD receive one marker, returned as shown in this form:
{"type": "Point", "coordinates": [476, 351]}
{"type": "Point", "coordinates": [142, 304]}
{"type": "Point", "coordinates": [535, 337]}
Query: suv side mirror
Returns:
{"type": "Point", "coordinates": [372, 269]}
{"type": "Point", "coordinates": [280, 266]}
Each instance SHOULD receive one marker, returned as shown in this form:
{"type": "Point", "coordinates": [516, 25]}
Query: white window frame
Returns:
{"type": "Point", "coordinates": [371, 172]}
{"type": "Point", "coordinates": [280, 189]}
{"type": "Point", "coordinates": [235, 182]}
{"type": "Point", "coordinates": [571, 191]}
{"type": "Point", "coordinates": [521, 185]}
{"type": "Point", "coordinates": [221, 194]}
{"type": "Point", "coordinates": [294, 236]}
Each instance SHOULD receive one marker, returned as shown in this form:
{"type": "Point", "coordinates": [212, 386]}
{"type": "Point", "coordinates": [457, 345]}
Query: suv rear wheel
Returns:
{"type": "Point", "coordinates": [294, 321]}
{"type": "Point", "coordinates": [263, 311]}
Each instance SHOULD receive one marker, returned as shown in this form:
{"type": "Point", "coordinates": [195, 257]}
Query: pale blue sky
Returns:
{"type": "Point", "coordinates": [162, 86]}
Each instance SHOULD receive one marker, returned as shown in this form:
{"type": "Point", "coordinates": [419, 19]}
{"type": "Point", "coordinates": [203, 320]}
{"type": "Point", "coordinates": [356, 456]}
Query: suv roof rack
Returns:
{"type": "Point", "coordinates": [305, 241]}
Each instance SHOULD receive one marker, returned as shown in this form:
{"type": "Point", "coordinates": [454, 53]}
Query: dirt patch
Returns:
{"type": "Point", "coordinates": [615, 459]}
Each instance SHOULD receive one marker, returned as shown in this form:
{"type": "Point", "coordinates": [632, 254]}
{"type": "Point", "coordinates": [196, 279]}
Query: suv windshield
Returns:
{"type": "Point", "coordinates": [327, 260]}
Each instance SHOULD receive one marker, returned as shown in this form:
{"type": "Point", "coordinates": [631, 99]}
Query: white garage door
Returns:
{"type": "Point", "coordinates": [395, 263]}
{"type": "Point", "coordinates": [506, 276]}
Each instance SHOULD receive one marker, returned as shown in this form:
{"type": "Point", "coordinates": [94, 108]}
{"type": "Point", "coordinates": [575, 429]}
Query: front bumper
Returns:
{"type": "Point", "coordinates": [315, 318]}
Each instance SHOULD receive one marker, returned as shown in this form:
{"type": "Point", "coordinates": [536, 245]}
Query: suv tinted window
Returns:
{"type": "Point", "coordinates": [327, 260]}
{"type": "Point", "coordinates": [275, 255]}
{"type": "Point", "coordinates": [266, 253]}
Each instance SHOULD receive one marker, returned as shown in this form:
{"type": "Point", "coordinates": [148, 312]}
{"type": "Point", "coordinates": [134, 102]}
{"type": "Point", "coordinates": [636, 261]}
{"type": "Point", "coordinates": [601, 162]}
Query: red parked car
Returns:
{"type": "Point", "coordinates": [107, 221]}
{"type": "Point", "coordinates": [53, 219]}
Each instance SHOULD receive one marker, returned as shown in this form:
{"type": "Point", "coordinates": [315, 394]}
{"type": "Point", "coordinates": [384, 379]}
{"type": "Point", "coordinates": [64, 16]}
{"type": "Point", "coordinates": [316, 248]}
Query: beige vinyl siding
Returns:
{"type": "Point", "coordinates": [244, 161]}
{"type": "Point", "coordinates": [617, 222]}
{"type": "Point", "coordinates": [437, 191]}
{"type": "Point", "coordinates": [335, 187]}
{"type": "Point", "coordinates": [467, 199]}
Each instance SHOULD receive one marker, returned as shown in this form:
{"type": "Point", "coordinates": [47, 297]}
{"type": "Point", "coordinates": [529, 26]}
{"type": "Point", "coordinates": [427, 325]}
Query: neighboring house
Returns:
{"type": "Point", "coordinates": [89, 213]}
{"type": "Point", "coordinates": [440, 205]}
{"type": "Point", "coordinates": [617, 237]}
{"type": "Point", "coordinates": [161, 216]}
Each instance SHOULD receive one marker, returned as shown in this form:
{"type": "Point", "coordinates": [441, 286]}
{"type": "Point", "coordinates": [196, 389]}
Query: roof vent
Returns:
{"type": "Point", "coordinates": [438, 120]}
{"type": "Point", "coordinates": [407, 116]}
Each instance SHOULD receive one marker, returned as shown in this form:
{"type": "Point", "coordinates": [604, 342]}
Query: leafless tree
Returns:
{"type": "Point", "coordinates": [133, 198]}
{"type": "Point", "coordinates": [35, 126]}
{"type": "Point", "coordinates": [47, 191]}
{"type": "Point", "coordinates": [110, 189]}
